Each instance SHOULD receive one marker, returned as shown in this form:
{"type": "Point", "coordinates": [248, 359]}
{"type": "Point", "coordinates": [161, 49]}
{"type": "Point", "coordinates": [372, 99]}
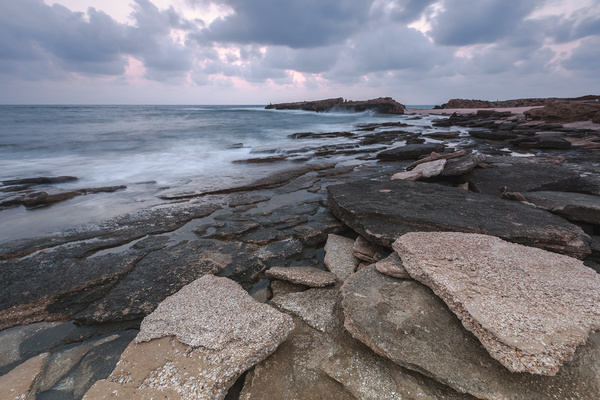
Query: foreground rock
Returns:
{"type": "Point", "coordinates": [320, 360]}
{"type": "Point", "coordinates": [338, 256]}
{"type": "Point", "coordinates": [384, 105]}
{"type": "Point", "coordinates": [572, 206]}
{"type": "Point", "coordinates": [308, 276]}
{"type": "Point", "coordinates": [409, 152]}
{"type": "Point", "coordinates": [384, 211]}
{"type": "Point", "coordinates": [196, 344]}
{"type": "Point", "coordinates": [529, 308]}
{"type": "Point", "coordinates": [404, 321]}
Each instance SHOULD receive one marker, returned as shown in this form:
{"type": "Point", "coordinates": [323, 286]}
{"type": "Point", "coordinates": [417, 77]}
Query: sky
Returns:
{"type": "Point", "coordinates": [269, 51]}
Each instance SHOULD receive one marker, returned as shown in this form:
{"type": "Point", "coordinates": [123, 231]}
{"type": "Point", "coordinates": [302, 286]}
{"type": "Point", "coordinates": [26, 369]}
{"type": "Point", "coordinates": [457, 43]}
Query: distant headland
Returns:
{"type": "Point", "coordinates": [384, 105]}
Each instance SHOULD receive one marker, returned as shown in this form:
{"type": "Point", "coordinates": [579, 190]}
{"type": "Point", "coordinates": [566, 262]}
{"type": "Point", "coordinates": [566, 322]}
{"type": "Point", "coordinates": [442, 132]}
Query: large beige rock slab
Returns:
{"type": "Point", "coordinates": [308, 276]}
{"type": "Point", "coordinates": [330, 364]}
{"type": "Point", "coordinates": [406, 322]}
{"type": "Point", "coordinates": [197, 343]}
{"type": "Point", "coordinates": [339, 257]}
{"type": "Point", "coordinates": [530, 308]}
{"type": "Point", "coordinates": [20, 383]}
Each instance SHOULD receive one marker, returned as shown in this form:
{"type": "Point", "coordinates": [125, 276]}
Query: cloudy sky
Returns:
{"type": "Point", "coordinates": [261, 51]}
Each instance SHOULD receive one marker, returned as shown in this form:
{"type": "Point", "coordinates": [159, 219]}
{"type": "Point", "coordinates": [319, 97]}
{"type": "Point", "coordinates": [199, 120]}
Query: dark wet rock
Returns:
{"type": "Point", "coordinates": [542, 142]}
{"type": "Point", "coordinates": [524, 178]}
{"type": "Point", "coordinates": [493, 135]}
{"type": "Point", "coordinates": [572, 206]}
{"type": "Point", "coordinates": [384, 211]}
{"type": "Point", "coordinates": [409, 152]}
{"type": "Point", "coordinates": [442, 135]}
{"type": "Point", "coordinates": [462, 165]}
{"type": "Point", "coordinates": [404, 321]}
{"type": "Point", "coordinates": [40, 180]}
{"type": "Point", "coordinates": [375, 125]}
{"type": "Point", "coordinates": [567, 111]}
{"type": "Point", "coordinates": [259, 160]}
{"type": "Point", "coordinates": [308, 276]}
{"type": "Point", "coordinates": [280, 288]}
{"type": "Point", "coordinates": [320, 135]}
{"type": "Point", "coordinates": [39, 198]}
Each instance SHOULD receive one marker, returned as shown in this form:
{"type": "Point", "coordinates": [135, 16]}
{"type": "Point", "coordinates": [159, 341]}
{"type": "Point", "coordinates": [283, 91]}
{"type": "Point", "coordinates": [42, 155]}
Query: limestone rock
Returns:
{"type": "Point", "coordinates": [367, 251]}
{"type": "Point", "coordinates": [430, 169]}
{"type": "Point", "coordinates": [572, 206]}
{"type": "Point", "coordinates": [308, 276]}
{"type": "Point", "coordinates": [529, 308]}
{"type": "Point", "coordinates": [407, 175]}
{"type": "Point", "coordinates": [339, 257]}
{"type": "Point", "coordinates": [384, 211]}
{"type": "Point", "coordinates": [409, 152]}
{"type": "Point", "coordinates": [392, 266]}
{"type": "Point", "coordinates": [219, 332]}
{"type": "Point", "coordinates": [20, 382]}
{"type": "Point", "coordinates": [404, 321]}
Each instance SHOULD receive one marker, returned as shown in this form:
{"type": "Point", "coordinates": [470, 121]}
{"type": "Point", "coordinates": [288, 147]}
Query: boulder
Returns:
{"type": "Point", "coordinates": [196, 344]}
{"type": "Point", "coordinates": [338, 256]}
{"type": "Point", "coordinates": [430, 169]}
{"type": "Point", "coordinates": [384, 211]}
{"type": "Point", "coordinates": [442, 135]}
{"type": "Point", "coordinates": [316, 363]}
{"type": "Point", "coordinates": [409, 152]}
{"type": "Point", "coordinates": [529, 308]}
{"type": "Point", "coordinates": [572, 206]}
{"type": "Point", "coordinates": [462, 165]}
{"type": "Point", "coordinates": [404, 321]}
{"type": "Point", "coordinates": [392, 266]}
{"type": "Point", "coordinates": [407, 175]}
{"type": "Point", "coordinates": [367, 251]}
{"type": "Point", "coordinates": [527, 177]}
{"type": "Point", "coordinates": [308, 276]}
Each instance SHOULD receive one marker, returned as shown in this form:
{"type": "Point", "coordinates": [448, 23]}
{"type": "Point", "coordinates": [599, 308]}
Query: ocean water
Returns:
{"type": "Point", "coordinates": [154, 150]}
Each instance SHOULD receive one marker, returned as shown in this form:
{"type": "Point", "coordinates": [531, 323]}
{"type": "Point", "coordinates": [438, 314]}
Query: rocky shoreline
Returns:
{"type": "Point", "coordinates": [344, 256]}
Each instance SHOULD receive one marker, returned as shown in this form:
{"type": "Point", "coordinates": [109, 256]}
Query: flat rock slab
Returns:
{"type": "Point", "coordinates": [526, 177]}
{"type": "Point", "coordinates": [226, 330]}
{"type": "Point", "coordinates": [308, 276]}
{"type": "Point", "coordinates": [572, 206]}
{"type": "Point", "coordinates": [384, 211]}
{"type": "Point", "coordinates": [406, 322]}
{"type": "Point", "coordinates": [462, 165]}
{"type": "Point", "coordinates": [20, 382]}
{"type": "Point", "coordinates": [392, 266]}
{"type": "Point", "coordinates": [529, 308]}
{"type": "Point", "coordinates": [339, 257]}
{"type": "Point", "coordinates": [367, 251]}
{"type": "Point", "coordinates": [410, 152]}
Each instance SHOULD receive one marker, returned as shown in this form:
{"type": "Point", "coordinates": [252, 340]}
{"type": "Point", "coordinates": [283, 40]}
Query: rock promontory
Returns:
{"type": "Point", "coordinates": [384, 105]}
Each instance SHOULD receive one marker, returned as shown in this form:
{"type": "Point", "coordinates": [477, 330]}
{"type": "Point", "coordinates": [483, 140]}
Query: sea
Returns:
{"type": "Point", "coordinates": [154, 151]}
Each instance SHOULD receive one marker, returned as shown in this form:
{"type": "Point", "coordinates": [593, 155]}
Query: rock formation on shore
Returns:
{"type": "Point", "coordinates": [527, 102]}
{"type": "Point", "coordinates": [383, 105]}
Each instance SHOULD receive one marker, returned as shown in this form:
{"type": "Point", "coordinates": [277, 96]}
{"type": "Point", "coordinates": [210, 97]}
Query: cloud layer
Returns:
{"type": "Point", "coordinates": [427, 49]}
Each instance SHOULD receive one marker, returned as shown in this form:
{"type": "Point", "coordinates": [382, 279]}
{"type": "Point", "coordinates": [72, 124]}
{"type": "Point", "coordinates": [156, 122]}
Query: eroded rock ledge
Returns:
{"type": "Point", "coordinates": [384, 105]}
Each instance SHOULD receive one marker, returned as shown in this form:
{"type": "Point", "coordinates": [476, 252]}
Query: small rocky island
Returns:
{"type": "Point", "coordinates": [383, 105]}
{"type": "Point", "coordinates": [457, 261]}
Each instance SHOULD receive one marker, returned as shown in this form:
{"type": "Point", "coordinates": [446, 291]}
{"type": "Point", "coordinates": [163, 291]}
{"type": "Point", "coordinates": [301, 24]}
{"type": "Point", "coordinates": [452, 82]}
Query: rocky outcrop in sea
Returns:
{"type": "Point", "coordinates": [456, 262]}
{"type": "Point", "coordinates": [383, 105]}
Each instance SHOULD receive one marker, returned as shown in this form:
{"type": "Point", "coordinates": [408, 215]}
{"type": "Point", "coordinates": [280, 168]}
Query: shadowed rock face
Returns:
{"type": "Point", "coordinates": [406, 322]}
{"type": "Point", "coordinates": [384, 211]}
{"type": "Point", "coordinates": [529, 308]}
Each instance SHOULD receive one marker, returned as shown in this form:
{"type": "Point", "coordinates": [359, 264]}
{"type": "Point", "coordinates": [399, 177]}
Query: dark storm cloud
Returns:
{"type": "Point", "coordinates": [53, 40]}
{"type": "Point", "coordinates": [466, 22]}
{"type": "Point", "coordinates": [585, 58]}
{"type": "Point", "coordinates": [296, 24]}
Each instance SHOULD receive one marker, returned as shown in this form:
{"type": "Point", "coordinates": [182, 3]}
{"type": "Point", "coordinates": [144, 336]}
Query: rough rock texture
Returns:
{"type": "Point", "coordinates": [227, 331]}
{"type": "Point", "coordinates": [327, 363]}
{"type": "Point", "coordinates": [404, 321]}
{"type": "Point", "coordinates": [339, 258]}
{"type": "Point", "coordinates": [529, 308]}
{"type": "Point", "coordinates": [308, 276]}
{"type": "Point", "coordinates": [392, 266]}
{"type": "Point", "coordinates": [409, 152]}
{"type": "Point", "coordinates": [367, 251]}
{"type": "Point", "coordinates": [566, 112]}
{"type": "Point", "coordinates": [430, 169]}
{"type": "Point", "coordinates": [572, 206]}
{"type": "Point", "coordinates": [406, 175]}
{"type": "Point", "coordinates": [462, 165]}
{"type": "Point", "coordinates": [19, 384]}
{"type": "Point", "coordinates": [385, 105]}
{"type": "Point", "coordinates": [523, 178]}
{"type": "Point", "coordinates": [384, 211]}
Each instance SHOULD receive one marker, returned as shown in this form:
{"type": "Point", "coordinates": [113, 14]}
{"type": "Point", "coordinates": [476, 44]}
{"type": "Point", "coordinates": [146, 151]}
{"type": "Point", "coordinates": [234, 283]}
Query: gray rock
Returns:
{"type": "Point", "coordinates": [409, 152]}
{"type": "Point", "coordinates": [384, 211]}
{"type": "Point", "coordinates": [431, 168]}
{"type": "Point", "coordinates": [404, 321]}
{"type": "Point", "coordinates": [197, 343]}
{"type": "Point", "coordinates": [308, 276]}
{"type": "Point", "coordinates": [339, 257]}
{"type": "Point", "coordinates": [529, 308]}
{"type": "Point", "coordinates": [462, 165]}
{"type": "Point", "coordinates": [280, 288]}
{"type": "Point", "coordinates": [367, 251]}
{"type": "Point", "coordinates": [523, 178]}
{"type": "Point", "coordinates": [392, 266]}
{"type": "Point", "coordinates": [314, 307]}
{"type": "Point", "coordinates": [572, 206]}
{"type": "Point", "coordinates": [493, 135]}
